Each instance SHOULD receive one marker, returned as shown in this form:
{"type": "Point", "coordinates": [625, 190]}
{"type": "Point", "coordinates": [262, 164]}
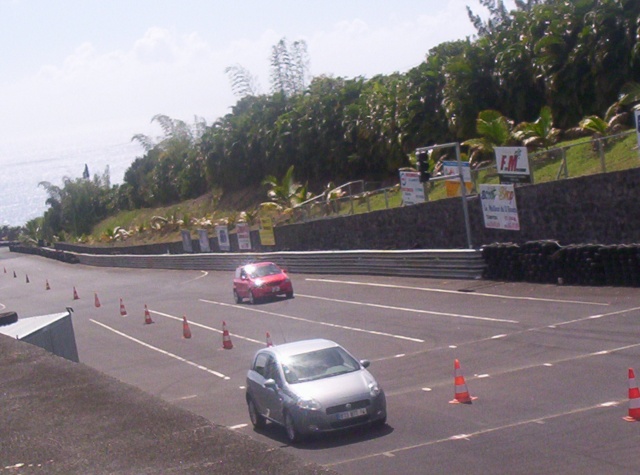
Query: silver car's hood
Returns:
{"type": "Point", "coordinates": [338, 389]}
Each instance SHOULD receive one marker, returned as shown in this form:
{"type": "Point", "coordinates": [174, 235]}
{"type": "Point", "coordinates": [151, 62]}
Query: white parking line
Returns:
{"type": "Point", "coordinates": [590, 317]}
{"type": "Point", "coordinates": [146, 345]}
{"type": "Point", "coordinates": [458, 437]}
{"type": "Point", "coordinates": [238, 426]}
{"type": "Point", "coordinates": [456, 292]}
{"type": "Point", "coordinates": [412, 310]}
{"type": "Point", "coordinates": [306, 320]}
{"type": "Point", "coordinates": [200, 325]}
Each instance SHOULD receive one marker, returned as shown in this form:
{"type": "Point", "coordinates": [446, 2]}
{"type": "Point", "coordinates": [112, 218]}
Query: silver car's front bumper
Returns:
{"type": "Point", "coordinates": [354, 414]}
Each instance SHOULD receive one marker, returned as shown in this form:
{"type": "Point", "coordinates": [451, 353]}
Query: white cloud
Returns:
{"type": "Point", "coordinates": [182, 74]}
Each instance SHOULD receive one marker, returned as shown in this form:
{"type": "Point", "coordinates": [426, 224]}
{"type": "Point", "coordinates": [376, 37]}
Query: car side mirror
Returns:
{"type": "Point", "coordinates": [271, 384]}
{"type": "Point", "coordinates": [365, 363]}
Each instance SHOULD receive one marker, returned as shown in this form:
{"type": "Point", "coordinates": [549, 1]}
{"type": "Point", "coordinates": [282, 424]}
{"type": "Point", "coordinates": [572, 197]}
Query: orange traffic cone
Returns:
{"type": "Point", "coordinates": [186, 331]}
{"type": "Point", "coordinates": [634, 399]}
{"type": "Point", "coordinates": [269, 342]}
{"type": "Point", "coordinates": [461, 392]}
{"type": "Point", "coordinates": [123, 311]}
{"type": "Point", "coordinates": [97, 300]}
{"type": "Point", "coordinates": [75, 294]}
{"type": "Point", "coordinates": [147, 316]}
{"type": "Point", "coordinates": [226, 338]}
{"type": "Point", "coordinates": [47, 286]}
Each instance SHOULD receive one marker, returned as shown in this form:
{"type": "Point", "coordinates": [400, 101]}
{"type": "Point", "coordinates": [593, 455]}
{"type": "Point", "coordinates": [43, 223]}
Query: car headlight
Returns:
{"type": "Point", "coordinates": [287, 280]}
{"type": "Point", "coordinates": [309, 404]}
{"type": "Point", "coordinates": [374, 389]}
{"type": "Point", "coordinates": [258, 283]}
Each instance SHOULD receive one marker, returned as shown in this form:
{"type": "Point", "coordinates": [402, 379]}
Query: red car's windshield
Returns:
{"type": "Point", "coordinates": [262, 271]}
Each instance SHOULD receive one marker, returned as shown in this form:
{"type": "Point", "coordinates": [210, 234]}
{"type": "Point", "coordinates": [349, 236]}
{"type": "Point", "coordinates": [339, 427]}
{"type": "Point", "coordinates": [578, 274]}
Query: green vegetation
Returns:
{"type": "Point", "coordinates": [545, 72]}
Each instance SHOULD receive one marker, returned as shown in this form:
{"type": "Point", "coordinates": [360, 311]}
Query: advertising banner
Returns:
{"type": "Point", "coordinates": [513, 164]}
{"type": "Point", "coordinates": [411, 188]}
{"type": "Point", "coordinates": [186, 241]}
{"type": "Point", "coordinates": [499, 207]}
{"type": "Point", "coordinates": [223, 238]}
{"type": "Point", "coordinates": [453, 185]}
{"type": "Point", "coordinates": [267, 238]}
{"type": "Point", "coordinates": [203, 237]}
{"type": "Point", "coordinates": [244, 236]}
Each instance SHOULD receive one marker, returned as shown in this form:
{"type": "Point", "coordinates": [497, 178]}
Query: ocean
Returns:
{"type": "Point", "coordinates": [24, 165]}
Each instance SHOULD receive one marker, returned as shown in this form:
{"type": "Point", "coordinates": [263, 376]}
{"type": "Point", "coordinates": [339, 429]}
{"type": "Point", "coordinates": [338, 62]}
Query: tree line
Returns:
{"type": "Point", "coordinates": [534, 75]}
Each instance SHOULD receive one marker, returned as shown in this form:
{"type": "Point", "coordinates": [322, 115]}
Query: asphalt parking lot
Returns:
{"type": "Point", "coordinates": [548, 364]}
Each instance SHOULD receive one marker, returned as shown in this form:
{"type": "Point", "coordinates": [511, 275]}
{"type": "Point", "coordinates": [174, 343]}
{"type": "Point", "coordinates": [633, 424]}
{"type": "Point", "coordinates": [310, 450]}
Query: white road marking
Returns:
{"type": "Point", "coordinates": [306, 320]}
{"type": "Point", "coordinates": [458, 437]}
{"type": "Point", "coordinates": [591, 317]}
{"type": "Point", "coordinates": [204, 274]}
{"type": "Point", "coordinates": [200, 325]}
{"type": "Point", "coordinates": [411, 310]}
{"type": "Point", "coordinates": [456, 292]}
{"type": "Point", "coordinates": [238, 426]}
{"type": "Point", "coordinates": [146, 345]}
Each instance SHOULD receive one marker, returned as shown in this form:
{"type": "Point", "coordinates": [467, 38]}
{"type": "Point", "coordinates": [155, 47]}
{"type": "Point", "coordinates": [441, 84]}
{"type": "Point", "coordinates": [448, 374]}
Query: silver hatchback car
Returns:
{"type": "Point", "coordinates": [312, 386]}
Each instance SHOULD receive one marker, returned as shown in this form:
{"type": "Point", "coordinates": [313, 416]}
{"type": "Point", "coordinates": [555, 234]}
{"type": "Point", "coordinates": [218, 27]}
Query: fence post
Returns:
{"type": "Point", "coordinates": [386, 199]}
{"type": "Point", "coordinates": [601, 153]}
{"type": "Point", "coordinates": [564, 162]}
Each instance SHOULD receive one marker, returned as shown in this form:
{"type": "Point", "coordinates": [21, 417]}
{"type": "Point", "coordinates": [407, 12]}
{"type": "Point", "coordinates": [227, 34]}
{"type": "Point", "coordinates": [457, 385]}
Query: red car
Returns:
{"type": "Point", "coordinates": [260, 280]}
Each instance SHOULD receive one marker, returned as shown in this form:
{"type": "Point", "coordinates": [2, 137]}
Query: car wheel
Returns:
{"type": "Point", "coordinates": [252, 298]}
{"type": "Point", "coordinates": [289, 295]}
{"type": "Point", "coordinates": [257, 419]}
{"type": "Point", "coordinates": [236, 297]}
{"type": "Point", "coordinates": [380, 423]}
{"type": "Point", "coordinates": [292, 433]}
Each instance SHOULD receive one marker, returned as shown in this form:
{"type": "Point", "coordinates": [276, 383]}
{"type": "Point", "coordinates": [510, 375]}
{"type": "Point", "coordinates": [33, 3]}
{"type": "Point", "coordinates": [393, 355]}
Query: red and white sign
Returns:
{"type": "Point", "coordinates": [411, 188]}
{"type": "Point", "coordinates": [513, 164]}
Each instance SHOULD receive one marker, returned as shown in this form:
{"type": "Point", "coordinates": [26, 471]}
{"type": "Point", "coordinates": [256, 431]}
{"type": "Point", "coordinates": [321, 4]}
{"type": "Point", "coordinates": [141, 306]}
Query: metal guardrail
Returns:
{"type": "Point", "coordinates": [456, 264]}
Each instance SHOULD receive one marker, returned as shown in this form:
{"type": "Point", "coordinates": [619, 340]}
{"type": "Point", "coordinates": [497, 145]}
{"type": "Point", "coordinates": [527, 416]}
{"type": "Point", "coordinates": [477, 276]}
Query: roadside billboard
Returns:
{"type": "Point", "coordinates": [267, 237]}
{"type": "Point", "coordinates": [499, 207]}
{"type": "Point", "coordinates": [243, 232]}
{"type": "Point", "coordinates": [411, 188]}
{"type": "Point", "coordinates": [187, 246]}
{"type": "Point", "coordinates": [512, 164]}
{"type": "Point", "coordinates": [203, 237]}
{"type": "Point", "coordinates": [223, 238]}
{"type": "Point", "coordinates": [453, 185]}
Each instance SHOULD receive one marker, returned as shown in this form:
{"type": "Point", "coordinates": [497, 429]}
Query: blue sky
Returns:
{"type": "Point", "coordinates": [88, 66]}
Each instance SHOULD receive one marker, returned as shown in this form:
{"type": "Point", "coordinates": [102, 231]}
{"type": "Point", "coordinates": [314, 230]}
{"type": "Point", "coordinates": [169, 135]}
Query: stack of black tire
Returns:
{"type": "Point", "coordinates": [7, 318]}
{"type": "Point", "coordinates": [537, 261]}
{"type": "Point", "coordinates": [502, 262]}
{"type": "Point", "coordinates": [578, 264]}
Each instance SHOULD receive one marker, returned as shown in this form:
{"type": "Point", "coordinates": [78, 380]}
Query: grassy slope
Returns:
{"type": "Point", "coordinates": [620, 154]}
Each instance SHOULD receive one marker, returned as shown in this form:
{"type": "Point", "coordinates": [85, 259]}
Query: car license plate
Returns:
{"type": "Point", "coordinates": [350, 414]}
{"type": "Point", "coordinates": [275, 288]}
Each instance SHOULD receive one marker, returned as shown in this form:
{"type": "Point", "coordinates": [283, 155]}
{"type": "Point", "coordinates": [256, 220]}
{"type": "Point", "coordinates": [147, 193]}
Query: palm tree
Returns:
{"type": "Point", "coordinates": [538, 134]}
{"type": "Point", "coordinates": [285, 192]}
{"type": "Point", "coordinates": [495, 131]}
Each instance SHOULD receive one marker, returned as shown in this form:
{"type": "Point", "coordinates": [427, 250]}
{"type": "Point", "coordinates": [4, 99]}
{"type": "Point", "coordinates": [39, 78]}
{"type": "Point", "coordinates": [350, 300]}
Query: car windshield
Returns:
{"type": "Point", "coordinates": [262, 271]}
{"type": "Point", "coordinates": [318, 364]}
